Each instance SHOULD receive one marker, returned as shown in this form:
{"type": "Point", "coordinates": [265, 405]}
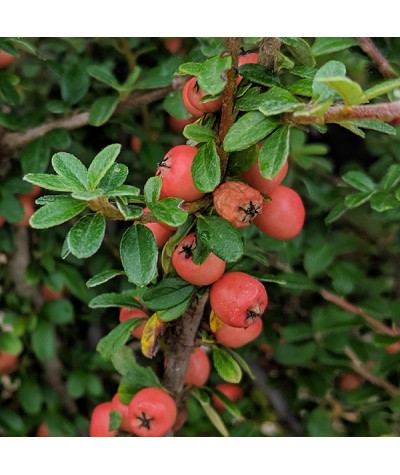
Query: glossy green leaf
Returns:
{"type": "Point", "coordinates": [302, 87]}
{"type": "Point", "coordinates": [330, 69]}
{"type": "Point", "coordinates": [278, 100]}
{"type": "Point", "coordinates": [56, 213]}
{"type": "Point", "coordinates": [130, 212]}
{"type": "Point", "coordinates": [391, 178]}
{"type": "Point", "coordinates": [211, 77]}
{"type": "Point", "coordinates": [168, 293]}
{"type": "Point", "coordinates": [115, 177]}
{"type": "Point", "coordinates": [10, 343]}
{"type": "Point", "coordinates": [227, 368]}
{"type": "Point", "coordinates": [104, 75]}
{"type": "Point", "coordinates": [173, 104]}
{"type": "Point", "coordinates": [229, 405]}
{"type": "Point", "coordinates": [221, 238]}
{"type": "Point", "coordinates": [86, 235]}
{"type": "Point", "coordinates": [240, 162]}
{"type": "Point", "coordinates": [101, 163]}
{"type": "Point", "coordinates": [175, 312]}
{"type": "Point", "coordinates": [359, 180]}
{"type": "Point", "coordinates": [349, 90]}
{"type": "Point", "coordinates": [74, 84]}
{"type": "Point", "coordinates": [51, 182]}
{"type": "Point", "coordinates": [357, 199]}
{"type": "Point", "coordinates": [152, 189]}
{"type": "Point", "coordinates": [102, 109]}
{"type": "Point", "coordinates": [384, 201]}
{"type": "Point", "coordinates": [190, 68]}
{"type": "Point", "coordinates": [328, 45]}
{"type": "Point", "coordinates": [117, 338]}
{"type": "Point", "coordinates": [248, 130]}
{"type": "Point", "coordinates": [103, 277]}
{"type": "Point", "coordinates": [206, 168]}
{"type": "Point", "coordinates": [114, 300]}
{"type": "Point", "coordinates": [241, 362]}
{"type": "Point", "coordinates": [274, 152]}
{"type": "Point", "coordinates": [168, 211]}
{"type": "Point", "coordinates": [139, 254]}
{"type": "Point", "coordinates": [198, 133]}
{"type": "Point", "coordinates": [43, 342]}
{"type": "Point", "coordinates": [259, 74]}
{"type": "Point", "coordinates": [161, 75]}
{"type": "Point", "coordinates": [71, 168]}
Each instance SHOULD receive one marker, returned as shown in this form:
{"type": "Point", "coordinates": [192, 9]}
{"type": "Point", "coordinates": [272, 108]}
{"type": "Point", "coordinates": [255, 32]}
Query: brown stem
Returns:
{"type": "Point", "coordinates": [268, 56]}
{"type": "Point", "coordinates": [18, 264]}
{"type": "Point", "coordinates": [369, 48]}
{"type": "Point", "coordinates": [14, 140]}
{"type": "Point", "coordinates": [127, 51]}
{"type": "Point", "coordinates": [180, 342]}
{"type": "Point", "coordinates": [228, 99]}
{"type": "Point", "coordinates": [386, 111]}
{"type": "Point", "coordinates": [108, 210]}
{"type": "Point", "coordinates": [373, 322]}
{"type": "Point", "coordinates": [362, 371]}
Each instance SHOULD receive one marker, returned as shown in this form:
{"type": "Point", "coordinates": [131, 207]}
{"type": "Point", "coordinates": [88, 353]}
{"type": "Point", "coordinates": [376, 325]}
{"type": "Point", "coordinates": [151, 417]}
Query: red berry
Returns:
{"type": "Point", "coordinates": [197, 274]}
{"type": "Point", "coordinates": [231, 391]}
{"type": "Point", "coordinates": [29, 209]}
{"type": "Point", "coordinates": [49, 294]}
{"type": "Point", "coordinates": [234, 337]}
{"type": "Point", "coordinates": [176, 174]}
{"type": "Point", "coordinates": [238, 299]}
{"type": "Point", "coordinates": [43, 430]}
{"type": "Point", "coordinates": [136, 144]}
{"type": "Point", "coordinates": [173, 45]}
{"type": "Point", "coordinates": [152, 412]}
{"type": "Point", "coordinates": [254, 178]}
{"type": "Point", "coordinates": [283, 216]}
{"type": "Point", "coordinates": [8, 363]}
{"type": "Point", "coordinates": [117, 405]}
{"type": "Point", "coordinates": [199, 368]}
{"type": "Point", "coordinates": [177, 125]}
{"type": "Point", "coordinates": [36, 191]}
{"type": "Point", "coordinates": [238, 203]}
{"type": "Point", "coordinates": [349, 381]}
{"type": "Point", "coordinates": [6, 59]}
{"type": "Point", "coordinates": [180, 419]}
{"type": "Point", "coordinates": [100, 421]}
{"type": "Point", "coordinates": [194, 111]}
{"type": "Point", "coordinates": [160, 232]}
{"type": "Point", "coordinates": [195, 94]}
{"type": "Point", "coordinates": [129, 313]}
{"type": "Point", "coordinates": [2, 221]}
{"type": "Point", "coordinates": [393, 348]}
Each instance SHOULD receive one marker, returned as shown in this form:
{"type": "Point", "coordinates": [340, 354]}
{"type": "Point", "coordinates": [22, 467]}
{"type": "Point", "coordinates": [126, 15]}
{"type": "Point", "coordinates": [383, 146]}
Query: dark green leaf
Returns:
{"type": "Point", "coordinates": [104, 75]}
{"type": "Point", "coordinates": [59, 311]}
{"type": "Point", "coordinates": [86, 235]}
{"type": "Point", "coordinates": [74, 281]}
{"type": "Point", "coordinates": [226, 366]}
{"type": "Point", "coordinates": [168, 211]}
{"type": "Point", "coordinates": [318, 258]}
{"type": "Point", "coordinates": [391, 178]}
{"type": "Point", "coordinates": [298, 281]}
{"type": "Point", "coordinates": [335, 213]}
{"type": "Point", "coordinates": [175, 312]}
{"type": "Point", "coordinates": [102, 109]}
{"type": "Point", "coordinates": [296, 355]}
{"type": "Point", "coordinates": [8, 93]}
{"type": "Point", "coordinates": [56, 213]}
{"type": "Point", "coordinates": [320, 423]}
{"type": "Point", "coordinates": [301, 51]}
{"type": "Point", "coordinates": [136, 375]}
{"type": "Point", "coordinates": [297, 332]}
{"type": "Point", "coordinates": [152, 189]}
{"type": "Point", "coordinates": [139, 254]}
{"type": "Point", "coordinates": [76, 383]}
{"type": "Point", "coordinates": [302, 87]}
{"type": "Point", "coordinates": [114, 300]}
{"type": "Point", "coordinates": [211, 413]}
{"type": "Point", "coordinates": [101, 163]}
{"type": "Point", "coordinates": [278, 100]}
{"type": "Point", "coordinates": [384, 201]}
{"type": "Point", "coordinates": [359, 180]}
{"type": "Point", "coordinates": [326, 45]}
{"type": "Point", "coordinates": [11, 208]}
{"type": "Point", "coordinates": [43, 343]}
{"type": "Point", "coordinates": [221, 238]}
{"type": "Point", "coordinates": [160, 76]}
{"type": "Point", "coordinates": [115, 420]}
{"type": "Point", "coordinates": [375, 125]}
{"type": "Point", "coordinates": [30, 396]}
{"type": "Point", "coordinates": [191, 69]}
{"type": "Point", "coordinates": [74, 84]}
{"type": "Point", "coordinates": [274, 152]}
{"type": "Point", "coordinates": [12, 422]}
{"type": "Point", "coordinates": [68, 166]}
{"type": "Point", "coordinates": [211, 77]}
{"type": "Point", "coordinates": [58, 139]}
{"type": "Point", "coordinates": [117, 338]}
{"type": "Point", "coordinates": [357, 199]}
{"type": "Point", "coordinates": [321, 91]}
{"type": "Point", "coordinates": [10, 343]}
{"type": "Point", "coordinates": [168, 293]}
{"type": "Point", "coordinates": [51, 182]}
{"type": "Point", "coordinates": [103, 277]}
{"type": "Point", "coordinates": [198, 133]}
{"type": "Point", "coordinates": [248, 130]}
{"type": "Point", "coordinates": [240, 162]}
{"type": "Point", "coordinates": [115, 177]}
{"type": "Point", "coordinates": [130, 212]}
{"type": "Point", "coordinates": [173, 104]}
{"type": "Point", "coordinates": [206, 168]}
{"type": "Point", "coordinates": [35, 157]}
{"type": "Point", "coordinates": [259, 74]}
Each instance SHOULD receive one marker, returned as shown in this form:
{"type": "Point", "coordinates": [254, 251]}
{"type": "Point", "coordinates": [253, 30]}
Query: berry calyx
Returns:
{"type": "Point", "coordinates": [238, 203]}
{"type": "Point", "coordinates": [128, 313]}
{"type": "Point", "coordinates": [198, 369]}
{"type": "Point", "coordinates": [283, 216]}
{"type": "Point", "coordinates": [152, 412]}
{"type": "Point", "coordinates": [205, 273]}
{"type": "Point", "coordinates": [100, 421]}
{"type": "Point", "coordinates": [175, 172]}
{"type": "Point", "coordinates": [231, 391]}
{"type": "Point", "coordinates": [264, 185]}
{"type": "Point", "coordinates": [234, 337]}
{"type": "Point", "coordinates": [238, 299]}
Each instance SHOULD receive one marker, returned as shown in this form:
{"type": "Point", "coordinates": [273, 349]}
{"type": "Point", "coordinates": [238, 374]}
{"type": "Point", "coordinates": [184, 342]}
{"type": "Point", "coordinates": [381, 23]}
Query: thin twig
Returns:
{"type": "Point", "coordinates": [362, 371]}
{"type": "Point", "coordinates": [369, 48]}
